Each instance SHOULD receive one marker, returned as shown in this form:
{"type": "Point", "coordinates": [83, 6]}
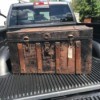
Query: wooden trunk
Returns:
{"type": "Point", "coordinates": [61, 50]}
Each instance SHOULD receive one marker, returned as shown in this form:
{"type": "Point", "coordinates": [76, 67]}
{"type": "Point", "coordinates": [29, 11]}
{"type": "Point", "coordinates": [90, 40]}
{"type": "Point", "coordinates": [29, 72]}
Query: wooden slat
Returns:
{"type": "Point", "coordinates": [78, 57]}
{"type": "Point", "coordinates": [58, 57]}
{"type": "Point", "coordinates": [71, 59]}
{"type": "Point", "coordinates": [39, 57]}
{"type": "Point", "coordinates": [63, 59]}
{"type": "Point", "coordinates": [21, 58]}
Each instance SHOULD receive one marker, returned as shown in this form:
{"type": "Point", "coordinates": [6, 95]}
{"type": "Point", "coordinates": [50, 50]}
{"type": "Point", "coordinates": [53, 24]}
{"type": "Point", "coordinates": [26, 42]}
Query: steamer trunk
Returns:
{"type": "Point", "coordinates": [61, 50]}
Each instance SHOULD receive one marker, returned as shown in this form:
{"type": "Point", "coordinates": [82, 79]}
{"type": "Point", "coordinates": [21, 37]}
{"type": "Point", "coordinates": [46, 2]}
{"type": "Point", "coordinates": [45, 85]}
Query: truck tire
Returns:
{"type": "Point", "coordinates": [96, 49]}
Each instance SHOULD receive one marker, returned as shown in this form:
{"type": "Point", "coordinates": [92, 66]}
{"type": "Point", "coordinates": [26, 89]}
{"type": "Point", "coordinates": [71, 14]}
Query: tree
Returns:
{"type": "Point", "coordinates": [31, 0]}
{"type": "Point", "coordinates": [97, 8]}
{"type": "Point", "coordinates": [87, 8]}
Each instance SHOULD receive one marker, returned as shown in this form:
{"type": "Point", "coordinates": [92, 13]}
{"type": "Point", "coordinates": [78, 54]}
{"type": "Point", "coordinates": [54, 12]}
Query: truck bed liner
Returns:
{"type": "Point", "coordinates": [33, 86]}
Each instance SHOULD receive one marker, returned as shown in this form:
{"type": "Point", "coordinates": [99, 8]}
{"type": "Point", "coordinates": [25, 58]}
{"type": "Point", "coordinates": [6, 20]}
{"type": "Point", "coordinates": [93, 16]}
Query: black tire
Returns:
{"type": "Point", "coordinates": [96, 49]}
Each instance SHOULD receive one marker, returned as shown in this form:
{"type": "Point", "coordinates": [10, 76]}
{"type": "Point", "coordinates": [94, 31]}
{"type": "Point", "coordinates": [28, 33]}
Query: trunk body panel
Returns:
{"type": "Point", "coordinates": [61, 50]}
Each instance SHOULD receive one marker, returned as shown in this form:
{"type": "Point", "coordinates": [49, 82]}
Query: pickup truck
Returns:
{"type": "Point", "coordinates": [45, 86]}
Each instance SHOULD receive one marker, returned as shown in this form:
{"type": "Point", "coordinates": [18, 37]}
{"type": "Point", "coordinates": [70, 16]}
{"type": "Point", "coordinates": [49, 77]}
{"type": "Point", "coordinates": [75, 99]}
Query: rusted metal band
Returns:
{"type": "Point", "coordinates": [21, 58]}
{"type": "Point", "coordinates": [51, 39]}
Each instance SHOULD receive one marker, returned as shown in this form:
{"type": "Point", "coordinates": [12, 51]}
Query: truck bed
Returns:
{"type": "Point", "coordinates": [42, 86]}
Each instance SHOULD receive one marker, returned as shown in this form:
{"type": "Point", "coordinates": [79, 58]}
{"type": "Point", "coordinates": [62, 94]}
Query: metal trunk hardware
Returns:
{"type": "Point", "coordinates": [60, 50]}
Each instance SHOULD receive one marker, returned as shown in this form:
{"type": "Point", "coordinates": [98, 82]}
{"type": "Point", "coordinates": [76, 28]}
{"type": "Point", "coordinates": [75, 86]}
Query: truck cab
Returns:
{"type": "Point", "coordinates": [40, 14]}
{"type": "Point", "coordinates": [36, 17]}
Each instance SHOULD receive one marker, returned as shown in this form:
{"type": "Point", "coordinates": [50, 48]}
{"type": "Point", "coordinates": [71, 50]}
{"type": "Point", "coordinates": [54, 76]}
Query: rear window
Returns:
{"type": "Point", "coordinates": [30, 15]}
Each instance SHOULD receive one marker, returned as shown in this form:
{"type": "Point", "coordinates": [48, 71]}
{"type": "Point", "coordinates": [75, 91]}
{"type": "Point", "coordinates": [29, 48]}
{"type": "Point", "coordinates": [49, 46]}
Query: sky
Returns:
{"type": "Point", "coordinates": [4, 7]}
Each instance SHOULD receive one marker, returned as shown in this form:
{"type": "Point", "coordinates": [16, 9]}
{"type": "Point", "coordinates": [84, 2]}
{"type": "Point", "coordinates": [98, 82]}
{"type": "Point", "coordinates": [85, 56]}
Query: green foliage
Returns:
{"type": "Point", "coordinates": [87, 8]}
{"type": "Point", "coordinates": [31, 0]}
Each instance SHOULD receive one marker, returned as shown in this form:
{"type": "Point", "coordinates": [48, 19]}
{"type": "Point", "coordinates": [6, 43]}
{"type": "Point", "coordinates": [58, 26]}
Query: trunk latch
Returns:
{"type": "Point", "coordinates": [26, 41]}
{"type": "Point", "coordinates": [46, 36]}
{"type": "Point", "coordinates": [71, 38]}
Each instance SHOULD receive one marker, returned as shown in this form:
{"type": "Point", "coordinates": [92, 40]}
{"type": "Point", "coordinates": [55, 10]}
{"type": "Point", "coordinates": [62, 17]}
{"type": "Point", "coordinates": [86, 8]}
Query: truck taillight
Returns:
{"type": "Point", "coordinates": [40, 3]}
